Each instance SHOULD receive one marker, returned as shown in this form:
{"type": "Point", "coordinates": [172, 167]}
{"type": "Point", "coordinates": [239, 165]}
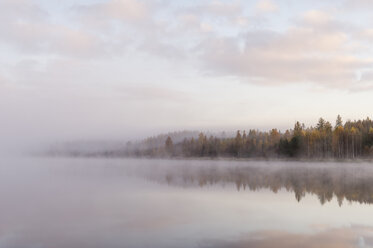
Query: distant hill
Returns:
{"type": "Point", "coordinates": [116, 148]}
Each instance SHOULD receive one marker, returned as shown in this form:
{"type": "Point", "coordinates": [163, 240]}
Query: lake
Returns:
{"type": "Point", "coordinates": [78, 203]}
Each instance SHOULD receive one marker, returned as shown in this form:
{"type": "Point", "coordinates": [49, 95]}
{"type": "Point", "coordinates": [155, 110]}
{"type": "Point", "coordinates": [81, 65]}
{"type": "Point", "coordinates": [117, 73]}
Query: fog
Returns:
{"type": "Point", "coordinates": [34, 119]}
{"type": "Point", "coordinates": [81, 78]}
{"type": "Point", "coordinates": [30, 121]}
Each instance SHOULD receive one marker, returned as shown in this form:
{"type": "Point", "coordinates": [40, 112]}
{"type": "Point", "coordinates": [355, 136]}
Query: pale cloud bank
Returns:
{"type": "Point", "coordinates": [316, 50]}
{"type": "Point", "coordinates": [314, 47]}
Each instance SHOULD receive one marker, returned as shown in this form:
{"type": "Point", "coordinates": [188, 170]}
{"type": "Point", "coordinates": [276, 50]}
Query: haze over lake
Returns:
{"type": "Point", "coordinates": [77, 203]}
{"type": "Point", "coordinates": [186, 124]}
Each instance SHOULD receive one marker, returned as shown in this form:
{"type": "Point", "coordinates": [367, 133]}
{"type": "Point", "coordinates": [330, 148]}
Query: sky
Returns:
{"type": "Point", "coordinates": [123, 69]}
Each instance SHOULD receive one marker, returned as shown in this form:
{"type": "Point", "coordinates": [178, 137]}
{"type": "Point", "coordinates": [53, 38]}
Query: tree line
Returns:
{"type": "Point", "coordinates": [349, 140]}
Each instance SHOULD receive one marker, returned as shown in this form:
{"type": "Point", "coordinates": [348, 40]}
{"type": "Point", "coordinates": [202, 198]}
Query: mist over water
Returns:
{"type": "Point", "coordinates": [88, 85]}
{"type": "Point", "coordinates": [65, 202]}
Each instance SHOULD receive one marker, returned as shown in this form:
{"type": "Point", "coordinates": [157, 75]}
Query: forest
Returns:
{"type": "Point", "coordinates": [349, 140]}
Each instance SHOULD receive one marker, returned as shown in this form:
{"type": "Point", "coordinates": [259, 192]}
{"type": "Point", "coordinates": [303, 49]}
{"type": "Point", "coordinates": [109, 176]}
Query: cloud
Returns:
{"type": "Point", "coordinates": [220, 8]}
{"type": "Point", "coordinates": [266, 6]}
{"type": "Point", "coordinates": [366, 35]}
{"type": "Point", "coordinates": [365, 82]}
{"type": "Point", "coordinates": [357, 4]}
{"type": "Point", "coordinates": [315, 47]}
{"type": "Point", "coordinates": [29, 29]}
{"type": "Point", "coordinates": [210, 13]}
{"type": "Point", "coordinates": [79, 56]}
{"type": "Point", "coordinates": [162, 49]}
{"type": "Point", "coordinates": [316, 50]}
{"type": "Point", "coordinates": [316, 17]}
{"type": "Point", "coordinates": [125, 10]}
{"type": "Point", "coordinates": [127, 25]}
{"type": "Point", "coordinates": [22, 10]}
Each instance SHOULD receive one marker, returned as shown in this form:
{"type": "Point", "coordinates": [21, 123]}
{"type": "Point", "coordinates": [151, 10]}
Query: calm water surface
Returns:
{"type": "Point", "coordinates": [78, 203]}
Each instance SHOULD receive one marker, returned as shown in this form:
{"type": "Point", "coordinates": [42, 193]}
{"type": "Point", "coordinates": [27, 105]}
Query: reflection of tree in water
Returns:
{"type": "Point", "coordinates": [352, 184]}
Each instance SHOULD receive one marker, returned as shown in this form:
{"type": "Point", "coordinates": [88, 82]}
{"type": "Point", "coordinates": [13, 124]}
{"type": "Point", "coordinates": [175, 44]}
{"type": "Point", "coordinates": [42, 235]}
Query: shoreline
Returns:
{"type": "Point", "coordinates": [252, 159]}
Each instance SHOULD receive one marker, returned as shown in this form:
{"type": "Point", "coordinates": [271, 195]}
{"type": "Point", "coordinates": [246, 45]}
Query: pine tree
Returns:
{"type": "Point", "coordinates": [338, 121]}
{"type": "Point", "coordinates": [169, 146]}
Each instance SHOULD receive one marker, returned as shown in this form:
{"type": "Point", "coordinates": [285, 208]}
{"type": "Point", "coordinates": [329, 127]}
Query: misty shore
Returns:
{"type": "Point", "coordinates": [254, 159]}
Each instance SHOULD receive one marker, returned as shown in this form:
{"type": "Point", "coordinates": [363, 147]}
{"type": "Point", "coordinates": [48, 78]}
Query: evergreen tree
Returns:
{"type": "Point", "coordinates": [338, 121]}
{"type": "Point", "coordinates": [169, 146]}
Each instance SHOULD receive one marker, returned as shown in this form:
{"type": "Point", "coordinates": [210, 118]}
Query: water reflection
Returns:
{"type": "Point", "coordinates": [345, 237]}
{"type": "Point", "coordinates": [345, 182]}
{"type": "Point", "coordinates": [85, 203]}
